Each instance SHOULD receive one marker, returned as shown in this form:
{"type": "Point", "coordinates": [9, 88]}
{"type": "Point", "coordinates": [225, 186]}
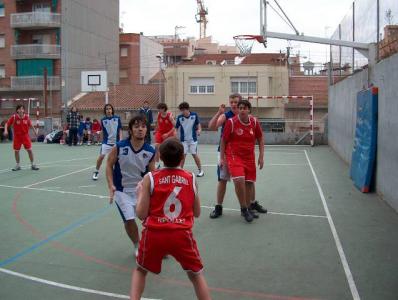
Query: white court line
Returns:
{"type": "Point", "coordinates": [86, 186]}
{"type": "Point", "coordinates": [270, 212]}
{"type": "Point", "coordinates": [267, 165]}
{"type": "Point", "coordinates": [60, 176]}
{"type": "Point", "coordinates": [53, 191]}
{"type": "Point", "coordinates": [67, 286]}
{"type": "Point", "coordinates": [102, 197]}
{"type": "Point", "coordinates": [47, 163]}
{"type": "Point", "coordinates": [348, 274]}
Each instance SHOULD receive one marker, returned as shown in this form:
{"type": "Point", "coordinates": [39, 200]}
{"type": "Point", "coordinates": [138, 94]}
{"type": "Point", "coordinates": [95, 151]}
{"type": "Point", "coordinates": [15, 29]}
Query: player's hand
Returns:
{"type": "Point", "coordinates": [221, 163]}
{"type": "Point", "coordinates": [198, 132]}
{"type": "Point", "coordinates": [260, 162]}
{"type": "Point", "coordinates": [111, 193]}
{"type": "Point", "coordinates": [221, 109]}
{"type": "Point", "coordinates": [164, 136]}
{"type": "Point", "coordinates": [5, 133]}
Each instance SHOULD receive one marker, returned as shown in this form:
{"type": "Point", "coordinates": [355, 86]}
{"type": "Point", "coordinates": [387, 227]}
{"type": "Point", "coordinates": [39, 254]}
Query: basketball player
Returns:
{"type": "Point", "coordinates": [111, 134]}
{"type": "Point", "coordinates": [127, 163]}
{"type": "Point", "coordinates": [164, 127]}
{"type": "Point", "coordinates": [21, 124]}
{"type": "Point", "coordinates": [237, 151]}
{"type": "Point", "coordinates": [168, 201]}
{"type": "Point", "coordinates": [189, 127]}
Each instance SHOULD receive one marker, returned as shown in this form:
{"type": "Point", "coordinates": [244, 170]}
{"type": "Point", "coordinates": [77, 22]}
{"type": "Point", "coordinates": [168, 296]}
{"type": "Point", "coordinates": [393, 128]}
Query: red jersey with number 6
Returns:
{"type": "Point", "coordinates": [172, 199]}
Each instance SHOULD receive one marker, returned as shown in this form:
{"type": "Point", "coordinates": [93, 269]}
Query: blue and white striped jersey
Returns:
{"type": "Point", "coordinates": [131, 165]}
{"type": "Point", "coordinates": [111, 127]}
{"type": "Point", "coordinates": [187, 127]}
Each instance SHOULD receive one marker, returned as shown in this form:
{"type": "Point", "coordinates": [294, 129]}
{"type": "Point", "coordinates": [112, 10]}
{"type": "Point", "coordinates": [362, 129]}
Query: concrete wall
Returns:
{"type": "Point", "coordinates": [342, 118]}
{"type": "Point", "coordinates": [89, 36]}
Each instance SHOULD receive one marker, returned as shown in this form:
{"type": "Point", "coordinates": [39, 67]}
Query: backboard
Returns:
{"type": "Point", "coordinates": [94, 81]}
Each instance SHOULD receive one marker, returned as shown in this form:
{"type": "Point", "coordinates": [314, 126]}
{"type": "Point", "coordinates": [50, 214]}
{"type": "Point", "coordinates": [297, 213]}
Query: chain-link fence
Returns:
{"type": "Point", "coordinates": [364, 22]}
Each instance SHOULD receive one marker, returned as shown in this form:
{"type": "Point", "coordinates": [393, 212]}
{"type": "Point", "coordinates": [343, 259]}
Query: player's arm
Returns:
{"type": "Point", "coordinates": [223, 142]}
{"type": "Point", "coordinates": [112, 158]}
{"type": "Point", "coordinates": [214, 120]}
{"type": "Point", "coordinates": [260, 141]}
{"type": "Point", "coordinates": [151, 165]}
{"type": "Point", "coordinates": [196, 203]}
{"type": "Point", "coordinates": [6, 129]}
{"type": "Point", "coordinates": [33, 128]}
{"type": "Point", "coordinates": [143, 196]}
{"type": "Point", "coordinates": [172, 120]}
{"type": "Point", "coordinates": [199, 130]}
{"type": "Point", "coordinates": [120, 130]}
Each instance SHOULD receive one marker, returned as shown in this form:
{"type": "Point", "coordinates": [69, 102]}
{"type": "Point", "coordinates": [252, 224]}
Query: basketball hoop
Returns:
{"type": "Point", "coordinates": [245, 43]}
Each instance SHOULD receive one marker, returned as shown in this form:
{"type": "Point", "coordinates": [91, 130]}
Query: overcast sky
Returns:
{"type": "Point", "coordinates": [232, 17]}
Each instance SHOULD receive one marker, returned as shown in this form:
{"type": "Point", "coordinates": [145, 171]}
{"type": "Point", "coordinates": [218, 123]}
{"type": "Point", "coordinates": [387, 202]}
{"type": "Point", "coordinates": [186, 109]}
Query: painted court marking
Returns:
{"type": "Point", "coordinates": [60, 176]}
{"type": "Point", "coordinates": [102, 196]}
{"type": "Point", "coordinates": [347, 271]}
{"type": "Point", "coordinates": [67, 286]}
{"type": "Point", "coordinates": [46, 164]}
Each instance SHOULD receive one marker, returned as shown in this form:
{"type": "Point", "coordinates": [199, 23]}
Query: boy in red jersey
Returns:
{"type": "Point", "coordinates": [237, 151]}
{"type": "Point", "coordinates": [21, 124]}
{"type": "Point", "coordinates": [168, 201]}
{"type": "Point", "coordinates": [164, 127]}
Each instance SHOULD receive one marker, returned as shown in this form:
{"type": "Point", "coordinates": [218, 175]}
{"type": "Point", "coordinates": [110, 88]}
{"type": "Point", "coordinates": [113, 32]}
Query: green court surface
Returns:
{"type": "Point", "coordinates": [322, 239]}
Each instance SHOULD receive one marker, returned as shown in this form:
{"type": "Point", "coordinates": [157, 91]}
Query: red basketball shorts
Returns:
{"type": "Point", "coordinates": [20, 140]}
{"type": "Point", "coordinates": [179, 243]}
{"type": "Point", "coordinates": [239, 167]}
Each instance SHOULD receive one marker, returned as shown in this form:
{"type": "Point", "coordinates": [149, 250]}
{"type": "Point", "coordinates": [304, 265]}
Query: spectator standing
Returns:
{"type": "Point", "coordinates": [73, 120]}
{"type": "Point", "coordinates": [147, 112]}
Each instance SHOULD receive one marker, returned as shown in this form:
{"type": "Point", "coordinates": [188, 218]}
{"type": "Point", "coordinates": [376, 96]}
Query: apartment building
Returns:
{"type": "Point", "coordinates": [57, 38]}
{"type": "Point", "coordinates": [139, 58]}
{"type": "Point", "coordinates": [207, 81]}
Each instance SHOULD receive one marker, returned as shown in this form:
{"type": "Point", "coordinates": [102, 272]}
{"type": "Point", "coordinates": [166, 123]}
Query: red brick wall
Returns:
{"type": "Point", "coordinates": [5, 28]}
{"type": "Point", "coordinates": [131, 62]}
{"type": "Point", "coordinates": [316, 86]}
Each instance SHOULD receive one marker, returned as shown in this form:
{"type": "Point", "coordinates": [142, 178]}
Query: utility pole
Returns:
{"type": "Point", "coordinates": [160, 57]}
{"type": "Point", "coordinates": [45, 90]}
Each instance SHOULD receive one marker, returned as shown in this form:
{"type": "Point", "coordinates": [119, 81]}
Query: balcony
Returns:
{"type": "Point", "coordinates": [35, 20]}
{"type": "Point", "coordinates": [35, 51]}
{"type": "Point", "coordinates": [34, 83]}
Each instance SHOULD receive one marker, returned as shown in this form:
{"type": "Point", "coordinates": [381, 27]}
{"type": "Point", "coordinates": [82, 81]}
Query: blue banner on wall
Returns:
{"type": "Point", "coordinates": [365, 141]}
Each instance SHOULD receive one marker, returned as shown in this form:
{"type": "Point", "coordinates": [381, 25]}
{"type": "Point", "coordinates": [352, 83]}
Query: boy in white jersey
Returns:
{"type": "Point", "coordinates": [127, 164]}
{"type": "Point", "coordinates": [111, 134]}
{"type": "Point", "coordinates": [189, 128]}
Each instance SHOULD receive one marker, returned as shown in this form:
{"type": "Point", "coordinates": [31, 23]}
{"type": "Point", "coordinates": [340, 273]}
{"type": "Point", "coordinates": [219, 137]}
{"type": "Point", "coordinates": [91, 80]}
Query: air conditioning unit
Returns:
{"type": "Point", "coordinates": [211, 62]}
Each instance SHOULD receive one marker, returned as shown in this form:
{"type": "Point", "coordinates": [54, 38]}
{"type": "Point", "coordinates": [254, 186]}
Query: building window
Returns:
{"type": "Point", "coordinates": [2, 40]}
{"type": "Point", "coordinates": [2, 12]}
{"type": "Point", "coordinates": [204, 85]}
{"type": "Point", "coordinates": [124, 51]}
{"type": "Point", "coordinates": [123, 74]}
{"type": "Point", "coordinates": [2, 71]}
{"type": "Point", "coordinates": [244, 85]}
{"type": "Point", "coordinates": [41, 7]}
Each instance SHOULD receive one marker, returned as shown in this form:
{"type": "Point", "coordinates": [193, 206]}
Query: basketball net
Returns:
{"type": "Point", "coordinates": [245, 43]}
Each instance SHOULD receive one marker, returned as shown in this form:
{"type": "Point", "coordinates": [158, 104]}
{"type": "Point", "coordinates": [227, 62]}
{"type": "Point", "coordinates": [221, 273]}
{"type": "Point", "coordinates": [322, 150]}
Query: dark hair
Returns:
{"type": "Point", "coordinates": [19, 106]}
{"type": "Point", "coordinates": [162, 106]}
{"type": "Point", "coordinates": [183, 105]}
{"type": "Point", "coordinates": [245, 103]}
{"type": "Point", "coordinates": [111, 106]}
{"type": "Point", "coordinates": [137, 119]}
{"type": "Point", "coordinates": [88, 119]}
{"type": "Point", "coordinates": [235, 95]}
{"type": "Point", "coordinates": [95, 120]}
{"type": "Point", "coordinates": [171, 152]}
